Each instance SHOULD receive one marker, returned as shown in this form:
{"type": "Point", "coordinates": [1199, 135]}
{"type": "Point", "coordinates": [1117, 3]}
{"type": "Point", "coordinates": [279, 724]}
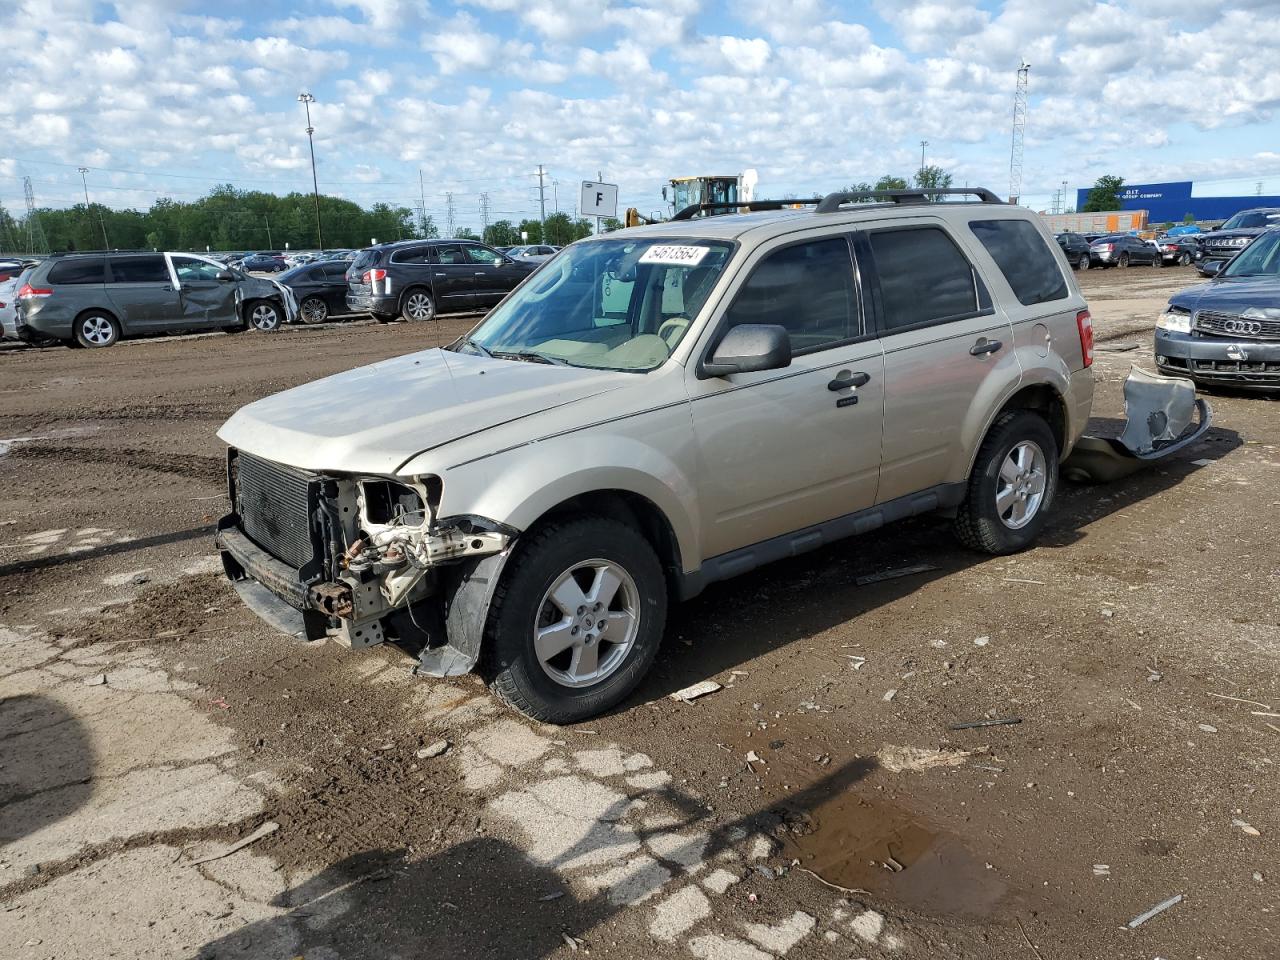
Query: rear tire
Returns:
{"type": "Point", "coordinates": [1084, 262]}
{"type": "Point", "coordinates": [542, 651]}
{"type": "Point", "coordinates": [313, 310]}
{"type": "Point", "coordinates": [1001, 484]}
{"type": "Point", "coordinates": [96, 329]}
{"type": "Point", "coordinates": [417, 306]}
{"type": "Point", "coordinates": [1122, 260]}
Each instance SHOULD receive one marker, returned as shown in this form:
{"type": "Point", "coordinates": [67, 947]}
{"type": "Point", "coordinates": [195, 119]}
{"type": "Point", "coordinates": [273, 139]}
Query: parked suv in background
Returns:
{"type": "Point", "coordinates": [1122, 249]}
{"type": "Point", "coordinates": [1234, 235]}
{"type": "Point", "coordinates": [94, 299]}
{"type": "Point", "coordinates": [1076, 248]}
{"type": "Point", "coordinates": [418, 279]}
{"type": "Point", "coordinates": [657, 409]}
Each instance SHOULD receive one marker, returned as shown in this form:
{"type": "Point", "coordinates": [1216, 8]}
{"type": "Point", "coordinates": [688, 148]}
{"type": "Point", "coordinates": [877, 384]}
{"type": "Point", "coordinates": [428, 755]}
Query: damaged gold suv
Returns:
{"type": "Point", "coordinates": [658, 409]}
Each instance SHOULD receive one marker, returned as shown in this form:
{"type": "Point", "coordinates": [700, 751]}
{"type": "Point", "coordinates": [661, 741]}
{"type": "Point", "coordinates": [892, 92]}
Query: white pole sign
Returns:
{"type": "Point", "coordinates": [598, 199]}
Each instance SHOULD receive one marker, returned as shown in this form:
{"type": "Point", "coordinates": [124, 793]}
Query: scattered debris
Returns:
{"type": "Point", "coordinates": [1023, 931]}
{"type": "Point", "coordinates": [914, 759]}
{"type": "Point", "coordinates": [1264, 713]}
{"type": "Point", "coordinates": [97, 680]}
{"type": "Point", "coordinates": [1108, 613]}
{"type": "Point", "coordinates": [889, 695]}
{"type": "Point", "coordinates": [981, 641]}
{"type": "Point", "coordinates": [1142, 918]}
{"type": "Point", "coordinates": [1257, 875]}
{"type": "Point", "coordinates": [571, 942]}
{"type": "Point", "coordinates": [265, 830]}
{"type": "Point", "coordinates": [1247, 829]}
{"type": "Point", "coordinates": [895, 574]}
{"type": "Point", "coordinates": [855, 662]}
{"type": "Point", "coordinates": [1116, 347]}
{"type": "Point", "coordinates": [1207, 727]}
{"type": "Point", "coordinates": [1255, 703]}
{"type": "Point", "coordinates": [433, 750]}
{"type": "Point", "coordinates": [1038, 583]}
{"type": "Point", "coordinates": [551, 896]}
{"type": "Point", "coordinates": [697, 690]}
{"type": "Point", "coordinates": [1201, 463]}
{"type": "Point", "coordinates": [986, 723]}
{"type": "Point", "coordinates": [753, 757]}
{"type": "Point", "coordinates": [1101, 870]}
{"type": "Point", "coordinates": [828, 883]}
{"type": "Point", "coordinates": [220, 702]}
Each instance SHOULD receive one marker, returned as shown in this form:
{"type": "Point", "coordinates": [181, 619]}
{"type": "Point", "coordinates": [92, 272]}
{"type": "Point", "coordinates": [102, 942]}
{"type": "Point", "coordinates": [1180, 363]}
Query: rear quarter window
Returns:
{"type": "Point", "coordinates": [364, 259]}
{"type": "Point", "coordinates": [79, 270]}
{"type": "Point", "coordinates": [1024, 258]}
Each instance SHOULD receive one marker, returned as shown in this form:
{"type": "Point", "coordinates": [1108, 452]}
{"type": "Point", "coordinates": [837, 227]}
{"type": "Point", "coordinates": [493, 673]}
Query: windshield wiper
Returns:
{"type": "Point", "coordinates": [531, 355]}
{"type": "Point", "coordinates": [478, 348]}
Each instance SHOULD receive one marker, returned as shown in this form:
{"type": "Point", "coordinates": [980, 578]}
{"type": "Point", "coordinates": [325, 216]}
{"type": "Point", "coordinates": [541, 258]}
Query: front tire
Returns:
{"type": "Point", "coordinates": [313, 310]}
{"type": "Point", "coordinates": [1011, 488]}
{"type": "Point", "coordinates": [1084, 263]}
{"type": "Point", "coordinates": [1184, 260]}
{"type": "Point", "coordinates": [417, 306]}
{"type": "Point", "coordinates": [263, 315]}
{"type": "Point", "coordinates": [96, 329]}
{"type": "Point", "coordinates": [577, 619]}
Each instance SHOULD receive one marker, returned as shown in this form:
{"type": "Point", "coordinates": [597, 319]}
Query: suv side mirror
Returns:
{"type": "Point", "coordinates": [747, 348]}
{"type": "Point", "coordinates": [1211, 268]}
{"type": "Point", "coordinates": [225, 275]}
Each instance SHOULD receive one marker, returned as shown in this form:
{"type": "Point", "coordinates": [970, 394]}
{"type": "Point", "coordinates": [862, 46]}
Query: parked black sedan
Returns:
{"type": "Point", "coordinates": [1178, 250]}
{"type": "Point", "coordinates": [1227, 331]}
{"type": "Point", "coordinates": [320, 289]}
{"type": "Point", "coordinates": [1076, 248]}
{"type": "Point", "coordinates": [264, 263]}
{"type": "Point", "coordinates": [1121, 250]}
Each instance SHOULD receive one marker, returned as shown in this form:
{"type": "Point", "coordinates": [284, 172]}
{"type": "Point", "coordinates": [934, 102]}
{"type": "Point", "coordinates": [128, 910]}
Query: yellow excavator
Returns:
{"type": "Point", "coordinates": [683, 192]}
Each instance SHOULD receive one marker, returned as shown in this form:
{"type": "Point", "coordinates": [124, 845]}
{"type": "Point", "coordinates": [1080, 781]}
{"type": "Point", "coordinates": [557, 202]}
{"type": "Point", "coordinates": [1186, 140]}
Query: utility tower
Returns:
{"type": "Point", "coordinates": [542, 203]}
{"type": "Point", "coordinates": [36, 242]}
{"type": "Point", "coordinates": [448, 214]}
{"type": "Point", "coordinates": [484, 214]}
{"type": "Point", "coordinates": [1019, 128]}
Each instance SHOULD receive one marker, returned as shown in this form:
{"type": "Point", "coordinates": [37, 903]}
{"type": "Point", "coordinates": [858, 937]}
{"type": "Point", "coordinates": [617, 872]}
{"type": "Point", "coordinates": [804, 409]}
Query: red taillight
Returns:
{"type": "Point", "coordinates": [1084, 323]}
{"type": "Point", "coordinates": [29, 291]}
{"type": "Point", "coordinates": [373, 276]}
{"type": "Point", "coordinates": [1106, 246]}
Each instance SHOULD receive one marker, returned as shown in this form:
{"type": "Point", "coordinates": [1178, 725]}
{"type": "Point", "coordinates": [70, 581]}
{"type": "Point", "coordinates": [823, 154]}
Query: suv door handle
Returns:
{"type": "Point", "coordinates": [985, 346]}
{"type": "Point", "coordinates": [846, 380]}
{"type": "Point", "coordinates": [481, 273]}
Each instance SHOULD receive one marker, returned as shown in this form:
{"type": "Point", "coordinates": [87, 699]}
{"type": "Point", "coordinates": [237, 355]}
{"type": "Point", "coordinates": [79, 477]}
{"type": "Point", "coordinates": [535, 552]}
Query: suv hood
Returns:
{"type": "Point", "coordinates": [375, 418]}
{"type": "Point", "coordinates": [1230, 295]}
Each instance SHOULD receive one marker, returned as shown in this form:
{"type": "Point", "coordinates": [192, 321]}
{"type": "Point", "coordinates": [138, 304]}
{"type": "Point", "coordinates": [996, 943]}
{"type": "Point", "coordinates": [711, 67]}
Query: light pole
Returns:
{"type": "Point", "coordinates": [307, 100]}
{"type": "Point", "coordinates": [106, 245]}
{"type": "Point", "coordinates": [923, 144]}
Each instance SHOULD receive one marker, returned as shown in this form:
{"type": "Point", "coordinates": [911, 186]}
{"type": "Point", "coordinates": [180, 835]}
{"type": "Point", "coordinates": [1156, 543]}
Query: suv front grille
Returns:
{"type": "Point", "coordinates": [274, 503]}
{"type": "Point", "coordinates": [1238, 328]}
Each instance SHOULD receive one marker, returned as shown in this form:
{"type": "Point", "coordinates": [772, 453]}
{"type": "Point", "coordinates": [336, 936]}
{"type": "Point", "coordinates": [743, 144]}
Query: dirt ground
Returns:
{"type": "Point", "coordinates": [819, 806]}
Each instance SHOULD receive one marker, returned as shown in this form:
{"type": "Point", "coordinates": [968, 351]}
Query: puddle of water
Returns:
{"type": "Point", "coordinates": [866, 845]}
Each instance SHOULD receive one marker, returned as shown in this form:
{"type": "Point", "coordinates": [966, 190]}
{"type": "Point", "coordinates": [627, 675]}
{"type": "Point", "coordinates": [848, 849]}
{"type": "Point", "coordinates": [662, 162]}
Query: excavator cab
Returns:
{"type": "Point", "coordinates": [687, 191]}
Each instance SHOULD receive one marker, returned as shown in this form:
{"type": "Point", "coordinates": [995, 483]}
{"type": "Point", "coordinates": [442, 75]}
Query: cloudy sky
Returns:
{"type": "Point", "coordinates": [168, 97]}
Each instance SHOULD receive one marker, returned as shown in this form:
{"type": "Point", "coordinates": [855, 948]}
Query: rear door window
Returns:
{"type": "Point", "coordinates": [1024, 258]}
{"type": "Point", "coordinates": [924, 278]}
{"type": "Point", "coordinates": [139, 270]}
{"type": "Point", "coordinates": [808, 288]}
{"type": "Point", "coordinates": [450, 253]}
{"type": "Point", "coordinates": [79, 270]}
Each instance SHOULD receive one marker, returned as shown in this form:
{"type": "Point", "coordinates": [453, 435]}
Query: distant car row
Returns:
{"type": "Point", "coordinates": [93, 299]}
{"type": "Point", "coordinates": [1182, 249]}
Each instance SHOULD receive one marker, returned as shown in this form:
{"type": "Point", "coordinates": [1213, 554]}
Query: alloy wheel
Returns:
{"type": "Point", "coordinates": [418, 306]}
{"type": "Point", "coordinates": [587, 623]}
{"type": "Point", "coordinates": [264, 317]}
{"type": "Point", "coordinates": [313, 310]}
{"type": "Point", "coordinates": [1020, 489]}
{"type": "Point", "coordinates": [98, 331]}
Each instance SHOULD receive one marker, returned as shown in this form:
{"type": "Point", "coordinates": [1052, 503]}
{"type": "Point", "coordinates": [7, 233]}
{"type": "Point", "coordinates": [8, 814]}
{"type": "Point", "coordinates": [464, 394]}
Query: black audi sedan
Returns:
{"type": "Point", "coordinates": [1227, 332]}
{"type": "Point", "coordinates": [320, 289]}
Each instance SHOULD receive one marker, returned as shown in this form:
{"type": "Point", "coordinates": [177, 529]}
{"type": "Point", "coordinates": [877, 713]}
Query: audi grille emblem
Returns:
{"type": "Point", "coordinates": [1242, 326]}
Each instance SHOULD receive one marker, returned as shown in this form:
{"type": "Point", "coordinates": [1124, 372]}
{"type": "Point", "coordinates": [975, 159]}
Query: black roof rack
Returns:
{"type": "Point", "coordinates": [833, 201]}
{"type": "Point", "coordinates": [689, 212]}
{"type": "Point", "coordinates": [76, 253]}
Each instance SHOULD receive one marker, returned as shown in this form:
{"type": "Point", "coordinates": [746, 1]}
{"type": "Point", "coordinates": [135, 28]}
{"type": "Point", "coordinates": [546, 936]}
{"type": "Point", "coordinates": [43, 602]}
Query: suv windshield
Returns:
{"type": "Point", "coordinates": [1248, 221]}
{"type": "Point", "coordinates": [607, 304]}
{"type": "Point", "coordinates": [1260, 259]}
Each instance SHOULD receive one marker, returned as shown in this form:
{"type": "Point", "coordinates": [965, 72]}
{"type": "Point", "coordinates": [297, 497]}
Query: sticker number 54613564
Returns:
{"type": "Point", "coordinates": [680, 256]}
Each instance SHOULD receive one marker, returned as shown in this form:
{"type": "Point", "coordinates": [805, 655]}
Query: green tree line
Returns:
{"type": "Point", "coordinates": [226, 219]}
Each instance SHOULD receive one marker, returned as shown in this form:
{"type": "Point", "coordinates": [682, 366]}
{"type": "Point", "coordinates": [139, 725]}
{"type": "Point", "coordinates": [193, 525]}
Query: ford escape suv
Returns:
{"type": "Point", "coordinates": [94, 299]}
{"type": "Point", "coordinates": [657, 409]}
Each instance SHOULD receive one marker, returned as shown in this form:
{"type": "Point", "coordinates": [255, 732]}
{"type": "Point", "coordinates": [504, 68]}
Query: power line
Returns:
{"type": "Point", "coordinates": [542, 203]}
{"type": "Point", "coordinates": [1019, 128]}
{"type": "Point", "coordinates": [484, 213]}
{"type": "Point", "coordinates": [448, 199]}
{"type": "Point", "coordinates": [36, 241]}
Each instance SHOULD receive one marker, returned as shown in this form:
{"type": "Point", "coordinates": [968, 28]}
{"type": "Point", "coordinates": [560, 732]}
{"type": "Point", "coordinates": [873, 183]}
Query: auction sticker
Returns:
{"type": "Point", "coordinates": [680, 256]}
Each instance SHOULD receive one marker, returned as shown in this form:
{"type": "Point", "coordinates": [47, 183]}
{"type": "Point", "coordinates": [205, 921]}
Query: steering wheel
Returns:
{"type": "Point", "coordinates": [673, 329]}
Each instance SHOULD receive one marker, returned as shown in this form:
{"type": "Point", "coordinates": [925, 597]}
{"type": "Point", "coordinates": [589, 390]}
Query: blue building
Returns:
{"type": "Point", "coordinates": [1170, 202]}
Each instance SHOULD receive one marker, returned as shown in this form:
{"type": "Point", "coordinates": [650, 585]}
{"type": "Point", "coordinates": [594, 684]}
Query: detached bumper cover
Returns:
{"type": "Point", "coordinates": [255, 563]}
